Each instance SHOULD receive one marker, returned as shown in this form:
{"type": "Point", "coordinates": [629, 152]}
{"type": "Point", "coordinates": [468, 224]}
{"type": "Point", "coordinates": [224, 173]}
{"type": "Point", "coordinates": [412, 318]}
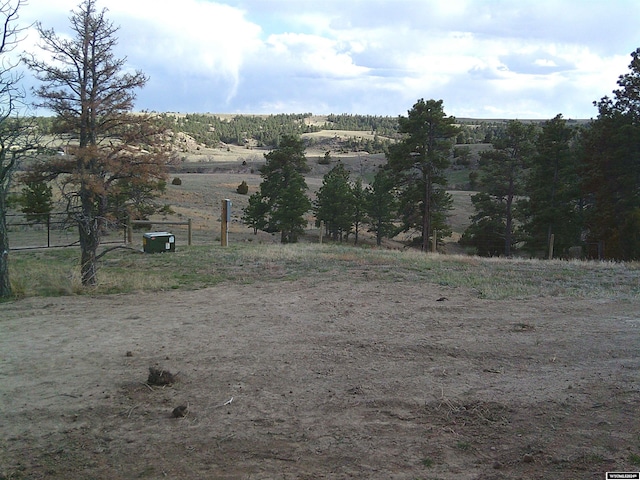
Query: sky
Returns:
{"type": "Point", "coordinates": [513, 59]}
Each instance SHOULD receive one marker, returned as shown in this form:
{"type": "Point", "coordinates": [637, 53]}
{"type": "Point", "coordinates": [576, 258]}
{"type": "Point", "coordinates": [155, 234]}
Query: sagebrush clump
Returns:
{"type": "Point", "coordinates": [176, 181]}
{"type": "Point", "coordinates": [243, 188]}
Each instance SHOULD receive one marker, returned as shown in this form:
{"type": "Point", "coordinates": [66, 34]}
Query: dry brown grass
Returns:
{"type": "Point", "coordinates": [55, 272]}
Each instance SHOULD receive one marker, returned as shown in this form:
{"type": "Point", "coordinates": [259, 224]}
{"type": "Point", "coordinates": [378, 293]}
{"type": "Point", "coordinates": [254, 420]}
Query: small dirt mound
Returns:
{"type": "Point", "coordinates": [180, 411]}
{"type": "Point", "coordinates": [159, 377]}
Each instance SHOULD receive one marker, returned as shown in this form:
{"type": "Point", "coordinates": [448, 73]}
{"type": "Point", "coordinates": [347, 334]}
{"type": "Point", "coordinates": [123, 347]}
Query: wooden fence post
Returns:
{"type": "Point", "coordinates": [224, 222]}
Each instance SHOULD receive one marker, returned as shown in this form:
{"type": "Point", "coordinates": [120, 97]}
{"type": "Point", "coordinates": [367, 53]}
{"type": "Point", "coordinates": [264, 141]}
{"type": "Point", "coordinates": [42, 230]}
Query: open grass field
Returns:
{"type": "Point", "coordinates": [200, 197]}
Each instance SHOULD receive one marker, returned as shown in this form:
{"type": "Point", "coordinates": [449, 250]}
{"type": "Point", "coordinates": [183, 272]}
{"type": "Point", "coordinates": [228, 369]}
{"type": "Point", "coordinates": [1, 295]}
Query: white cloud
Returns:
{"type": "Point", "coordinates": [544, 62]}
{"type": "Point", "coordinates": [193, 39]}
{"type": "Point", "coordinates": [198, 38]}
{"type": "Point", "coordinates": [312, 54]}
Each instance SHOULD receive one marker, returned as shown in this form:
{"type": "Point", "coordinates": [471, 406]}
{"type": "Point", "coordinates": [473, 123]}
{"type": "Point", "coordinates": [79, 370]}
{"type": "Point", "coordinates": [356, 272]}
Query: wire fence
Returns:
{"type": "Point", "coordinates": [53, 230]}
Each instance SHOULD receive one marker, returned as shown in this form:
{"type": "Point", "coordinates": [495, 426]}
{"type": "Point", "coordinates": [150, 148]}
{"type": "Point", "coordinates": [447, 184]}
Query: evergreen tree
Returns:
{"type": "Point", "coordinates": [358, 194]}
{"type": "Point", "coordinates": [326, 160]}
{"type": "Point", "coordinates": [611, 159]}
{"type": "Point", "coordinates": [553, 203]}
{"type": "Point", "coordinates": [287, 215]}
{"type": "Point", "coordinates": [503, 179]}
{"type": "Point", "coordinates": [381, 206]}
{"type": "Point", "coordinates": [36, 201]}
{"type": "Point", "coordinates": [282, 194]}
{"type": "Point", "coordinates": [487, 230]}
{"type": "Point", "coordinates": [418, 162]}
{"type": "Point", "coordinates": [255, 213]}
{"type": "Point", "coordinates": [334, 202]}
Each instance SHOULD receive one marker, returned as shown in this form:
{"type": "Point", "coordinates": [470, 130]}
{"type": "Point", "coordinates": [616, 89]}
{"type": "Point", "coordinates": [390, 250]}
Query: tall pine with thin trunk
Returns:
{"type": "Point", "coordinates": [418, 163]}
{"type": "Point", "coordinates": [381, 206]}
{"type": "Point", "coordinates": [611, 170]}
{"type": "Point", "coordinates": [358, 197]}
{"type": "Point", "coordinates": [503, 171]}
{"type": "Point", "coordinates": [553, 204]}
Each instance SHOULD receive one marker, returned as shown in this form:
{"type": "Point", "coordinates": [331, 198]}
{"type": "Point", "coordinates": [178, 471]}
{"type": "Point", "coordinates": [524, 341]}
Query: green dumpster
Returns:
{"type": "Point", "coordinates": [158, 242]}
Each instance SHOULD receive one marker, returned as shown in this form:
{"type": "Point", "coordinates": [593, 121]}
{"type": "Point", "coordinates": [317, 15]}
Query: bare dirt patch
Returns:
{"type": "Point", "coordinates": [319, 379]}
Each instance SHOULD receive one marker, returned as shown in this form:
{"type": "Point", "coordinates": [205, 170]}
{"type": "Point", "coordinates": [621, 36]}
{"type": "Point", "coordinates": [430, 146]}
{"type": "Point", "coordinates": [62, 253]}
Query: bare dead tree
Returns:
{"type": "Point", "coordinates": [14, 130]}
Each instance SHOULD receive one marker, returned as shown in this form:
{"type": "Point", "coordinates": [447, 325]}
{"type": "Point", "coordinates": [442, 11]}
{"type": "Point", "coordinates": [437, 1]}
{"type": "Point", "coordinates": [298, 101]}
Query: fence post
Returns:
{"type": "Point", "coordinates": [189, 236]}
{"type": "Point", "coordinates": [48, 230]}
{"type": "Point", "coordinates": [129, 230]}
{"type": "Point", "coordinates": [224, 224]}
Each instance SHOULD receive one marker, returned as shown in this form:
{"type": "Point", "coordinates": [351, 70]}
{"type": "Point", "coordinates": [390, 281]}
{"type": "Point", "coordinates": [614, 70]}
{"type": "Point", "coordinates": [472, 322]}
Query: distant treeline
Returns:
{"type": "Point", "coordinates": [267, 130]}
{"type": "Point", "coordinates": [386, 126]}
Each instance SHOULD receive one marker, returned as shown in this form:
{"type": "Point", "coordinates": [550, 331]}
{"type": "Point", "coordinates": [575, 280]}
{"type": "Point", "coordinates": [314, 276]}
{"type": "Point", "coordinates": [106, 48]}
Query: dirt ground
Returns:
{"type": "Point", "coordinates": [319, 379]}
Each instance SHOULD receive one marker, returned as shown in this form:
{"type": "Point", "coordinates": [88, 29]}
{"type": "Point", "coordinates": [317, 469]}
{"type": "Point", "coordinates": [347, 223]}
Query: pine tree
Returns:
{"type": "Point", "coordinates": [334, 202]}
{"type": "Point", "coordinates": [255, 213]}
{"type": "Point", "coordinates": [358, 195]}
{"type": "Point", "coordinates": [36, 201]}
{"type": "Point", "coordinates": [554, 203]}
{"type": "Point", "coordinates": [611, 147]}
{"type": "Point", "coordinates": [418, 162]}
{"type": "Point", "coordinates": [503, 180]}
{"type": "Point", "coordinates": [282, 194]}
{"type": "Point", "coordinates": [381, 206]}
{"type": "Point", "coordinates": [111, 150]}
{"type": "Point", "coordinates": [487, 230]}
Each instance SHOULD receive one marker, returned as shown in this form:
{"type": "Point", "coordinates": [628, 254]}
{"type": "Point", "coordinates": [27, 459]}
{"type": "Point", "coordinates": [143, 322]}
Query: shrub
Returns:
{"type": "Point", "coordinates": [36, 200]}
{"type": "Point", "coordinates": [176, 181]}
{"type": "Point", "coordinates": [326, 160]}
{"type": "Point", "coordinates": [243, 188]}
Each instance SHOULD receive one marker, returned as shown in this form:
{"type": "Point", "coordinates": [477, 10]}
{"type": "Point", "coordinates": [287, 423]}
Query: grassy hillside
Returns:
{"type": "Point", "coordinates": [55, 271]}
